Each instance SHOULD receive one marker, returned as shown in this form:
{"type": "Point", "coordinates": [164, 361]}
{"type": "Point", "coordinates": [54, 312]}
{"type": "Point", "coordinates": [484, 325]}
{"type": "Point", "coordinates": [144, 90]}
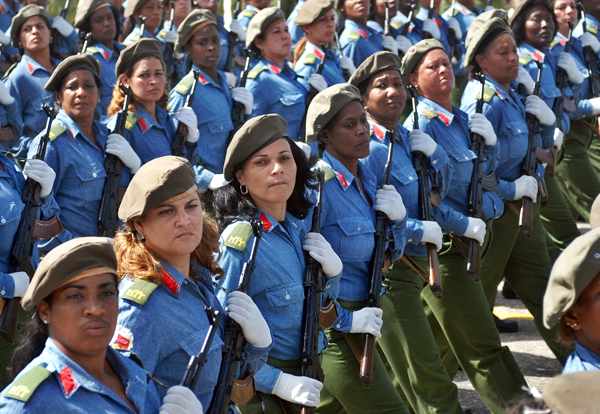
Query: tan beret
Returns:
{"type": "Point", "coordinates": [136, 51]}
{"type": "Point", "coordinates": [86, 8]}
{"type": "Point", "coordinates": [194, 21]}
{"type": "Point", "coordinates": [485, 31]}
{"type": "Point", "coordinates": [83, 61]}
{"type": "Point", "coordinates": [377, 62]}
{"type": "Point", "coordinates": [252, 136]}
{"type": "Point", "coordinates": [572, 272]}
{"type": "Point", "coordinates": [133, 6]}
{"type": "Point", "coordinates": [311, 10]}
{"type": "Point", "coordinates": [21, 17]}
{"type": "Point", "coordinates": [414, 55]}
{"type": "Point", "coordinates": [159, 180]}
{"type": "Point", "coordinates": [595, 213]}
{"type": "Point", "coordinates": [261, 22]}
{"type": "Point", "coordinates": [573, 393]}
{"type": "Point", "coordinates": [72, 260]}
{"type": "Point", "coordinates": [326, 105]}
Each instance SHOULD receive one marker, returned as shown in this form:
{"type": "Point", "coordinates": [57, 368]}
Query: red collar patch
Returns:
{"type": "Point", "coordinates": [274, 69]}
{"type": "Point", "coordinates": [2, 9]}
{"type": "Point", "coordinates": [342, 179]}
{"type": "Point", "coordinates": [363, 33]}
{"type": "Point", "coordinates": [169, 282]}
{"type": "Point", "coordinates": [67, 380]}
{"type": "Point", "coordinates": [563, 42]}
{"type": "Point", "coordinates": [499, 94]}
{"type": "Point", "coordinates": [265, 221]}
{"type": "Point", "coordinates": [122, 342]}
{"type": "Point", "coordinates": [538, 56]}
{"type": "Point", "coordinates": [318, 54]}
{"type": "Point", "coordinates": [444, 118]}
{"type": "Point", "coordinates": [143, 124]}
{"type": "Point", "coordinates": [30, 67]}
{"type": "Point", "coordinates": [105, 54]}
{"type": "Point", "coordinates": [202, 79]}
{"type": "Point", "coordinates": [437, 21]}
{"type": "Point", "coordinates": [378, 132]}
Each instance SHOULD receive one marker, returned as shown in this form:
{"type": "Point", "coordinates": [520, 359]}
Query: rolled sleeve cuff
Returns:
{"type": "Point", "coordinates": [266, 378]}
{"type": "Point", "coordinates": [7, 285]}
{"type": "Point", "coordinates": [506, 189]}
{"type": "Point", "coordinates": [438, 159]}
{"type": "Point", "coordinates": [414, 231]}
{"type": "Point", "coordinates": [343, 323]}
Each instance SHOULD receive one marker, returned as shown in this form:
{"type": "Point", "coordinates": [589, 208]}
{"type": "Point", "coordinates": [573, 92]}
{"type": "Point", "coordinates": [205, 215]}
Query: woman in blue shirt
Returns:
{"type": "Point", "coordinates": [152, 10]}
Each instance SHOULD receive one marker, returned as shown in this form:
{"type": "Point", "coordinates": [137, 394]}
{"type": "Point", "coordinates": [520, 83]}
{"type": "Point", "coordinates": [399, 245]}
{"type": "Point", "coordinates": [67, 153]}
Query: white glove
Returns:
{"type": "Point", "coordinates": [236, 27]}
{"type": "Point", "coordinates": [231, 79]}
{"type": "Point", "coordinates": [319, 249]}
{"type": "Point", "coordinates": [587, 40]}
{"type": "Point", "coordinates": [567, 62]}
{"type": "Point", "coordinates": [171, 37]}
{"type": "Point", "coordinates": [535, 106]}
{"type": "Point", "coordinates": [526, 186]}
{"type": "Point", "coordinates": [559, 137]}
{"type": "Point", "coordinates": [367, 320]}
{"type": "Point", "coordinates": [479, 124]}
{"type": "Point", "coordinates": [245, 97]}
{"type": "Point", "coordinates": [180, 400]}
{"type": "Point", "coordinates": [475, 230]}
{"type": "Point", "coordinates": [178, 56]}
{"type": "Point", "coordinates": [455, 25]}
{"type": "Point", "coordinates": [63, 26]}
{"type": "Point", "coordinates": [389, 43]}
{"type": "Point", "coordinates": [595, 102]}
{"type": "Point", "coordinates": [389, 202]}
{"type": "Point", "coordinates": [300, 390]}
{"type": "Point", "coordinates": [432, 233]}
{"type": "Point", "coordinates": [21, 280]}
{"type": "Point", "coordinates": [525, 79]}
{"type": "Point", "coordinates": [420, 141]}
{"type": "Point", "coordinates": [348, 64]}
{"type": "Point", "coordinates": [305, 148]}
{"type": "Point", "coordinates": [5, 97]}
{"type": "Point", "coordinates": [41, 173]}
{"type": "Point", "coordinates": [317, 81]}
{"type": "Point", "coordinates": [403, 43]}
{"type": "Point", "coordinates": [244, 311]}
{"type": "Point", "coordinates": [218, 181]}
{"type": "Point", "coordinates": [488, 8]}
{"type": "Point", "coordinates": [4, 39]}
{"type": "Point", "coordinates": [432, 28]}
{"type": "Point", "coordinates": [118, 146]}
{"type": "Point", "coordinates": [188, 117]}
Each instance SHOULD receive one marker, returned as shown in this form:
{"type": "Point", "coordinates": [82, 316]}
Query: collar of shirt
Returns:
{"type": "Point", "coordinates": [365, 32]}
{"type": "Point", "coordinates": [463, 9]}
{"type": "Point", "coordinates": [106, 53]}
{"type": "Point", "coordinates": [380, 132]}
{"type": "Point", "coordinates": [33, 65]}
{"type": "Point", "coordinates": [526, 49]}
{"type": "Point", "coordinates": [586, 355]}
{"type": "Point", "coordinates": [346, 178]}
{"type": "Point", "coordinates": [4, 8]}
{"type": "Point", "coordinates": [375, 26]}
{"type": "Point", "coordinates": [205, 79]}
{"type": "Point", "coordinates": [173, 278]}
{"type": "Point", "coordinates": [147, 121]}
{"type": "Point", "coordinates": [515, 99]}
{"type": "Point", "coordinates": [316, 50]}
{"type": "Point", "coordinates": [445, 116]}
{"type": "Point", "coordinates": [74, 130]}
{"type": "Point", "coordinates": [278, 70]}
{"type": "Point", "coordinates": [253, 8]}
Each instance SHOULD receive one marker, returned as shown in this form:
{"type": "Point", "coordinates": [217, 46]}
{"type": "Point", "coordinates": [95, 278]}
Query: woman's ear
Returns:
{"type": "Point", "coordinates": [239, 176]}
{"type": "Point", "coordinates": [324, 136]}
{"type": "Point", "coordinates": [138, 226]}
{"type": "Point", "coordinates": [44, 311]}
{"type": "Point", "coordinates": [481, 61]}
{"type": "Point", "coordinates": [572, 318]}
{"type": "Point", "coordinates": [414, 80]}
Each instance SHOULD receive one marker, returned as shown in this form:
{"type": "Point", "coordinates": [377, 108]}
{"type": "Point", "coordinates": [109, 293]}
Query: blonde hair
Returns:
{"type": "Point", "coordinates": [299, 50]}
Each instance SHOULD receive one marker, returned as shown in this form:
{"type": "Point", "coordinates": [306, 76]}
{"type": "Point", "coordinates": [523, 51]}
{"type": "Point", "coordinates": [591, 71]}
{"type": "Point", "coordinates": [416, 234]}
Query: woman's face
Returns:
{"type": "Point", "coordinates": [147, 80]}
{"type": "Point", "coordinates": [565, 11]}
{"type": "Point", "coordinates": [500, 61]}
{"type": "Point", "coordinates": [433, 78]}
{"type": "Point", "coordinates": [83, 315]}
{"type": "Point", "coordinates": [174, 228]}
{"type": "Point", "coordinates": [183, 8]}
{"type": "Point", "coordinates": [79, 95]}
{"type": "Point", "coordinates": [103, 26]}
{"type": "Point", "coordinates": [270, 175]}
{"type": "Point", "coordinates": [347, 136]}
{"type": "Point", "coordinates": [322, 30]}
{"type": "Point", "coordinates": [277, 42]}
{"type": "Point", "coordinates": [356, 10]}
{"type": "Point", "coordinates": [584, 317]}
{"type": "Point", "coordinates": [259, 4]}
{"type": "Point", "coordinates": [380, 6]}
{"type": "Point", "coordinates": [35, 35]}
{"type": "Point", "coordinates": [212, 5]}
{"type": "Point", "coordinates": [539, 27]}
{"type": "Point", "coordinates": [153, 12]}
{"type": "Point", "coordinates": [205, 47]}
{"type": "Point", "coordinates": [385, 97]}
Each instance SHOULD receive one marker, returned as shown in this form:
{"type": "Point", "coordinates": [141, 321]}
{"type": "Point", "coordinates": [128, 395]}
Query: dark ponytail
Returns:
{"type": "Point", "coordinates": [31, 346]}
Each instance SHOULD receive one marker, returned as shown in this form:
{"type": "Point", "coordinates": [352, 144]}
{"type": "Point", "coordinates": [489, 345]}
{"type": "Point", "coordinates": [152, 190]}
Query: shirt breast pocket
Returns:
{"type": "Point", "coordinates": [406, 176]}
{"type": "Point", "coordinates": [285, 295]}
{"type": "Point", "coordinates": [90, 179]}
{"type": "Point", "coordinates": [39, 113]}
{"type": "Point", "coordinates": [356, 244]}
{"type": "Point", "coordinates": [550, 91]}
{"type": "Point", "coordinates": [292, 106]}
{"type": "Point", "coordinates": [10, 215]}
{"type": "Point", "coordinates": [462, 161]}
{"type": "Point", "coordinates": [517, 139]}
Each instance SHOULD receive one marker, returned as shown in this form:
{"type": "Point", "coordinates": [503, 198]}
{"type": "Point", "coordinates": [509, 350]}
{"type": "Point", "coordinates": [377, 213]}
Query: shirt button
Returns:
{"type": "Point", "coordinates": [410, 177]}
{"type": "Point", "coordinates": [3, 221]}
{"type": "Point", "coordinates": [338, 326]}
{"type": "Point", "coordinates": [466, 158]}
{"type": "Point", "coordinates": [3, 292]}
{"type": "Point", "coordinates": [359, 227]}
{"type": "Point", "coordinates": [94, 175]}
{"type": "Point", "coordinates": [434, 162]}
{"type": "Point", "coordinates": [410, 240]}
{"type": "Point", "coordinates": [518, 130]}
{"type": "Point", "coordinates": [287, 296]}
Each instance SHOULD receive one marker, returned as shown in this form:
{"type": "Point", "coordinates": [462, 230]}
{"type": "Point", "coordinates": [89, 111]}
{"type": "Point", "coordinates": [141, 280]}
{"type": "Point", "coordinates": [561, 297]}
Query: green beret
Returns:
{"type": "Point", "coordinates": [86, 8]}
{"type": "Point", "coordinates": [573, 393]}
{"type": "Point", "coordinates": [133, 6]}
{"type": "Point", "coordinates": [75, 259]}
{"type": "Point", "coordinates": [326, 105]}
{"type": "Point", "coordinates": [377, 62]}
{"type": "Point", "coordinates": [137, 51]}
{"type": "Point", "coordinates": [159, 180]}
{"type": "Point", "coordinates": [22, 16]}
{"type": "Point", "coordinates": [82, 61]}
{"type": "Point", "coordinates": [414, 55]}
{"type": "Point", "coordinates": [194, 21]}
{"type": "Point", "coordinates": [572, 272]}
{"type": "Point", "coordinates": [485, 30]}
{"type": "Point", "coordinates": [311, 11]}
{"type": "Point", "coordinates": [261, 21]}
{"type": "Point", "coordinates": [252, 136]}
{"type": "Point", "coordinates": [595, 213]}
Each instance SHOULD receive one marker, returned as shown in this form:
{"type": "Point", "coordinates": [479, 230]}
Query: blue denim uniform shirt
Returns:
{"type": "Point", "coordinates": [71, 389]}
{"type": "Point", "coordinates": [247, 14]}
{"type": "Point", "coordinates": [276, 287]}
{"type": "Point", "coordinates": [464, 16]}
{"type": "Point", "coordinates": [7, 13]}
{"type": "Point", "coordinates": [295, 31]}
{"type": "Point", "coordinates": [332, 71]}
{"type": "Point", "coordinates": [582, 359]}
{"type": "Point", "coordinates": [423, 14]}
{"type": "Point", "coordinates": [10, 116]}
{"type": "Point", "coordinates": [593, 26]}
{"type": "Point", "coordinates": [135, 35]}
{"type": "Point", "coordinates": [224, 36]}
{"type": "Point", "coordinates": [413, 34]}
{"type": "Point", "coordinates": [358, 43]}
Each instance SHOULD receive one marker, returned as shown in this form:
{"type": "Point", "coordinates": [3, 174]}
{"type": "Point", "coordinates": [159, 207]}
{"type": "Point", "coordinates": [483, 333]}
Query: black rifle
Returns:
{"type": "Point", "coordinates": [561, 82]}
{"type": "Point", "coordinates": [194, 367]}
{"type": "Point", "coordinates": [169, 48]}
{"type": "Point", "coordinates": [312, 92]}
{"type": "Point", "coordinates": [425, 210]}
{"type": "Point", "coordinates": [475, 189]}
{"type": "Point", "coordinates": [406, 26]}
{"type": "Point", "coordinates": [86, 41]}
{"type": "Point", "coordinates": [108, 219]}
{"type": "Point", "coordinates": [347, 73]}
{"type": "Point", "coordinates": [233, 339]}
{"type": "Point", "coordinates": [427, 35]}
{"type": "Point", "coordinates": [530, 162]}
{"type": "Point", "coordinates": [178, 145]}
{"type": "Point", "coordinates": [142, 26]}
{"type": "Point", "coordinates": [313, 285]}
{"type": "Point", "coordinates": [591, 58]}
{"type": "Point", "coordinates": [237, 110]}
{"type": "Point", "coordinates": [232, 40]}
{"type": "Point", "coordinates": [57, 38]}
{"type": "Point", "coordinates": [22, 249]}
{"type": "Point", "coordinates": [376, 274]}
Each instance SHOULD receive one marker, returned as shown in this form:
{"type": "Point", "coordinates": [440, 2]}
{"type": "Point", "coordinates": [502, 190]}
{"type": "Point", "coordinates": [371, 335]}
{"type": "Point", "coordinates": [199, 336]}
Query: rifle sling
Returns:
{"type": "Point", "coordinates": [410, 262]}
{"type": "Point", "coordinates": [463, 249]}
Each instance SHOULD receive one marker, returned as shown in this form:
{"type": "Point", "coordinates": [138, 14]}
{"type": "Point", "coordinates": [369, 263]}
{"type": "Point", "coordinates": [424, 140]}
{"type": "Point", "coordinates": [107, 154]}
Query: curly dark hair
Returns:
{"type": "Point", "coordinates": [518, 25]}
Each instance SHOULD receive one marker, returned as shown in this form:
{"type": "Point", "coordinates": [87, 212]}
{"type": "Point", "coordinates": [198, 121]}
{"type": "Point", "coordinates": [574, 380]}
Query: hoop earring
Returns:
{"type": "Point", "coordinates": [243, 189]}
{"type": "Point", "coordinates": [143, 238]}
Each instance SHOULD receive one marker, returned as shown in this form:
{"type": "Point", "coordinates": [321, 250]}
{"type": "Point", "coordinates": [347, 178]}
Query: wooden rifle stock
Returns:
{"type": "Point", "coordinates": [434, 271]}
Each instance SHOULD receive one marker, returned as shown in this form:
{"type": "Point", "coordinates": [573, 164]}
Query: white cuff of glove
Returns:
{"type": "Point", "coordinates": [525, 79]}
{"type": "Point", "coordinates": [589, 40]}
{"type": "Point", "coordinates": [535, 106]}
{"type": "Point", "coordinates": [389, 43]}
{"type": "Point", "coordinates": [218, 181]}
{"type": "Point", "coordinates": [558, 138]}
{"type": "Point", "coordinates": [245, 97]}
{"type": "Point", "coordinates": [431, 27]}
{"type": "Point", "coordinates": [317, 81]}
{"type": "Point", "coordinates": [567, 62]}
{"type": "Point", "coordinates": [21, 280]}
{"type": "Point", "coordinates": [180, 400]}
{"type": "Point", "coordinates": [432, 233]}
{"type": "Point", "coordinates": [475, 230]}
{"type": "Point", "coordinates": [171, 37]}
{"type": "Point", "coordinates": [236, 27]}
{"type": "Point", "coordinates": [41, 173]}
{"type": "Point", "coordinates": [5, 97]}
{"type": "Point", "coordinates": [319, 249]}
{"type": "Point", "coordinates": [595, 102]}
{"type": "Point", "coordinates": [455, 25]}
{"type": "Point", "coordinates": [526, 186]}
{"type": "Point", "coordinates": [118, 146]}
{"type": "Point", "coordinates": [187, 116]}
{"type": "Point", "coordinates": [4, 39]}
{"type": "Point", "coordinates": [367, 320]}
{"type": "Point", "coordinates": [300, 390]}
{"type": "Point", "coordinates": [389, 202]}
{"type": "Point", "coordinates": [403, 43]}
{"type": "Point", "coordinates": [231, 79]}
{"type": "Point", "coordinates": [305, 148]}
{"type": "Point", "coordinates": [419, 141]}
{"type": "Point", "coordinates": [348, 64]}
{"type": "Point", "coordinates": [242, 309]}
{"type": "Point", "coordinates": [63, 26]}
{"type": "Point", "coordinates": [479, 124]}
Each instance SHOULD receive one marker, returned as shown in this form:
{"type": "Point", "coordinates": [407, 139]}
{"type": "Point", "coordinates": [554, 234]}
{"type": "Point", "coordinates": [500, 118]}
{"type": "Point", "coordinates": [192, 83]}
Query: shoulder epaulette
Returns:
{"type": "Point", "coordinates": [488, 94]}
{"type": "Point", "coordinates": [56, 131]}
{"type": "Point", "coordinates": [429, 114]}
{"type": "Point", "coordinates": [255, 71]}
{"type": "Point", "coordinates": [397, 25]}
{"type": "Point", "coordinates": [239, 236]}
{"type": "Point", "coordinates": [329, 174]}
{"type": "Point", "coordinates": [354, 35]}
{"type": "Point", "coordinates": [592, 30]}
{"type": "Point", "coordinates": [24, 387]}
{"type": "Point", "coordinates": [12, 67]}
{"type": "Point", "coordinates": [92, 49]}
{"type": "Point", "coordinates": [162, 33]}
{"type": "Point", "coordinates": [140, 291]}
{"type": "Point", "coordinates": [248, 13]}
{"type": "Point", "coordinates": [184, 85]}
{"type": "Point", "coordinates": [309, 59]}
{"type": "Point", "coordinates": [131, 120]}
{"type": "Point", "coordinates": [554, 43]}
{"type": "Point", "coordinates": [525, 59]}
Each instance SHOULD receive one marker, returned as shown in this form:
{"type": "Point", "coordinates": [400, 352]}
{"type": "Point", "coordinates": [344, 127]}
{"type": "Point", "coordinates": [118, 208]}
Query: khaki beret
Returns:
{"type": "Point", "coordinates": [83, 61]}
{"type": "Point", "coordinates": [72, 260]}
{"type": "Point", "coordinates": [595, 213]}
{"type": "Point", "coordinates": [252, 136]}
{"type": "Point", "coordinates": [261, 22]}
{"type": "Point", "coordinates": [21, 17]}
{"type": "Point", "coordinates": [326, 105]}
{"type": "Point", "coordinates": [312, 10]}
{"type": "Point", "coordinates": [137, 51]}
{"type": "Point", "coordinates": [377, 62]}
{"type": "Point", "coordinates": [572, 272]}
{"type": "Point", "coordinates": [86, 8]}
{"type": "Point", "coordinates": [573, 393]}
{"type": "Point", "coordinates": [133, 6]}
{"type": "Point", "coordinates": [485, 31]}
{"type": "Point", "coordinates": [159, 180]}
{"type": "Point", "coordinates": [414, 55]}
{"type": "Point", "coordinates": [194, 21]}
